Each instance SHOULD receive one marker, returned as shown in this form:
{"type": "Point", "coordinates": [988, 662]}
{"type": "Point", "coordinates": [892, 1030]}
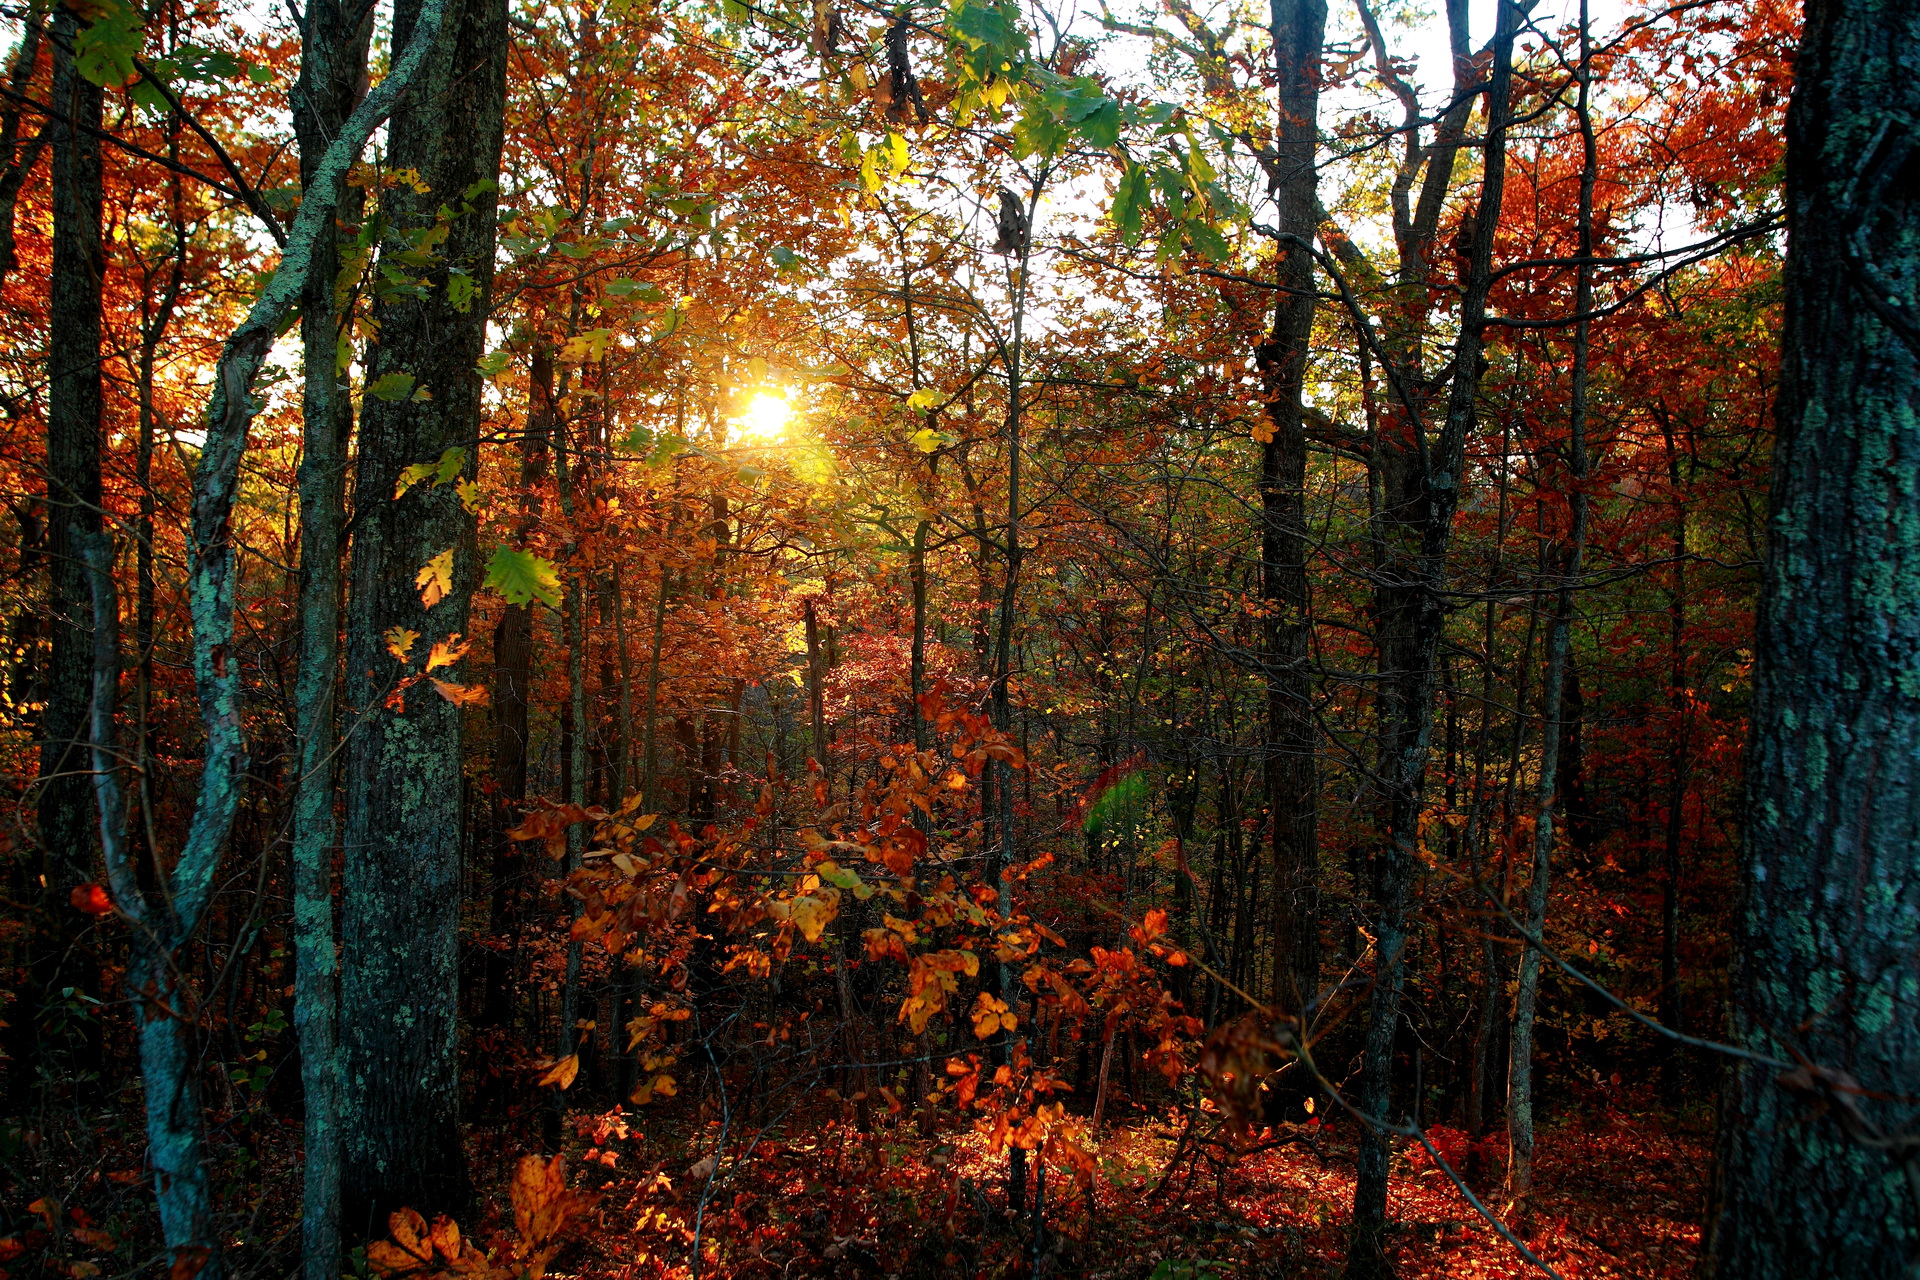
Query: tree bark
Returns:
{"type": "Point", "coordinates": [1292, 780]}
{"type": "Point", "coordinates": [1420, 481]}
{"type": "Point", "coordinates": [400, 1130]}
{"type": "Point", "coordinates": [65, 805]}
{"type": "Point", "coordinates": [1830, 868]}
{"type": "Point", "coordinates": [1559, 644]}
{"type": "Point", "coordinates": [332, 69]}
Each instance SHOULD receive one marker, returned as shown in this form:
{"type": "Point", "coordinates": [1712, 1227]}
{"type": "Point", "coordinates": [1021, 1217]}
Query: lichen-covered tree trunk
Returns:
{"type": "Point", "coordinates": [332, 64]}
{"type": "Point", "coordinates": [1828, 960]}
{"type": "Point", "coordinates": [399, 990]}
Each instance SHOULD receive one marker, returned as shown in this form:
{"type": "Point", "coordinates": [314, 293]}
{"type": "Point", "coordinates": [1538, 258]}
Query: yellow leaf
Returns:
{"type": "Point", "coordinates": [812, 916]}
{"type": "Point", "coordinates": [436, 579]}
{"type": "Point", "coordinates": [563, 1072]}
{"type": "Point", "coordinates": [399, 642]}
{"type": "Point", "coordinates": [1263, 429]}
{"type": "Point", "coordinates": [990, 1014]}
{"type": "Point", "coordinates": [586, 347]}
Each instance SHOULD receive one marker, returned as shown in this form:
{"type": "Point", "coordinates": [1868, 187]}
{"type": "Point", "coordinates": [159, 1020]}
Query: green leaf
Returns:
{"type": "Point", "coordinates": [1100, 128]}
{"type": "Point", "coordinates": [624, 288]}
{"type": "Point", "coordinates": [521, 577]}
{"type": "Point", "coordinates": [460, 290]}
{"type": "Point", "coordinates": [493, 364]}
{"type": "Point", "coordinates": [391, 387]}
{"type": "Point", "coordinates": [1207, 240]}
{"type": "Point", "coordinates": [104, 51]}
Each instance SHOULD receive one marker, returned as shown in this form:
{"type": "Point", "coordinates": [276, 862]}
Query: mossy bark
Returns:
{"type": "Point", "coordinates": [399, 990]}
{"type": "Point", "coordinates": [1828, 960]}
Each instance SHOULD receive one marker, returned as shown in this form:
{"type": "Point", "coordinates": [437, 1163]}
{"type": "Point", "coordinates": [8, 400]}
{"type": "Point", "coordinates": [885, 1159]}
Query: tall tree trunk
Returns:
{"type": "Point", "coordinates": [1830, 868]}
{"type": "Point", "coordinates": [165, 923]}
{"type": "Point", "coordinates": [67, 822]}
{"type": "Point", "coordinates": [1553, 689]}
{"type": "Point", "coordinates": [20, 158]}
{"type": "Point", "coordinates": [513, 647]}
{"type": "Point", "coordinates": [1292, 781]}
{"type": "Point", "coordinates": [399, 999]}
{"type": "Point", "coordinates": [1421, 481]}
{"type": "Point", "coordinates": [1679, 767]}
{"type": "Point", "coordinates": [333, 65]}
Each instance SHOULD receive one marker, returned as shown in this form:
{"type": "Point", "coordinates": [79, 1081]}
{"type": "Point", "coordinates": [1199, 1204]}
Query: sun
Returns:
{"type": "Point", "coordinates": [765, 420]}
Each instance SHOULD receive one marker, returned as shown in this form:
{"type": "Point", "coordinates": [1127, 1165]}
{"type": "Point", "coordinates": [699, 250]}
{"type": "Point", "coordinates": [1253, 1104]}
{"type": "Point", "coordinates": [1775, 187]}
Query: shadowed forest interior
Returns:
{"type": "Point", "coordinates": [771, 638]}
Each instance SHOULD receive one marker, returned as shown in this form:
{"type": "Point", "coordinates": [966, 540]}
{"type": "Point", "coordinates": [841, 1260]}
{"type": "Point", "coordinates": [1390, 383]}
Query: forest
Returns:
{"type": "Point", "coordinates": [1146, 639]}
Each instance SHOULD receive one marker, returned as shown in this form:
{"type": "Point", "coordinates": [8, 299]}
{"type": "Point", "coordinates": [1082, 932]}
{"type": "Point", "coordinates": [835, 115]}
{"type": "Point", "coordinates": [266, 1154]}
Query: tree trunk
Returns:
{"type": "Point", "coordinates": [65, 805]}
{"type": "Point", "coordinates": [333, 63]}
{"type": "Point", "coordinates": [1553, 690]}
{"type": "Point", "coordinates": [1292, 781]}
{"type": "Point", "coordinates": [1830, 868]}
{"type": "Point", "coordinates": [400, 1132]}
{"type": "Point", "coordinates": [1421, 483]}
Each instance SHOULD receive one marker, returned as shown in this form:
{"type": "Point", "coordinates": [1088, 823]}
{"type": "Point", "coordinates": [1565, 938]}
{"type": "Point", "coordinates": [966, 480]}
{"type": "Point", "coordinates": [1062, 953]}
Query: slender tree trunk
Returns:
{"type": "Point", "coordinates": [816, 690]}
{"type": "Point", "coordinates": [1292, 781]}
{"type": "Point", "coordinates": [1421, 481]}
{"type": "Point", "coordinates": [400, 1130]}
{"type": "Point", "coordinates": [513, 651]}
{"type": "Point", "coordinates": [67, 823]}
{"type": "Point", "coordinates": [1559, 639]}
{"type": "Point", "coordinates": [333, 63]}
{"type": "Point", "coordinates": [1678, 769]}
{"type": "Point", "coordinates": [1830, 868]}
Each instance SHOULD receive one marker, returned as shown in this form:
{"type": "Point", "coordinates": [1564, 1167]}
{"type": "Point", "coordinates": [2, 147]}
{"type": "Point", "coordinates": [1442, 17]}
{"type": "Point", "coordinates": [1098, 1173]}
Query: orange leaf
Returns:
{"type": "Point", "coordinates": [446, 1237]}
{"type": "Point", "coordinates": [447, 652]}
{"type": "Point", "coordinates": [563, 1071]}
{"type": "Point", "coordinates": [92, 899]}
{"type": "Point", "coordinates": [461, 695]}
{"type": "Point", "coordinates": [409, 1232]}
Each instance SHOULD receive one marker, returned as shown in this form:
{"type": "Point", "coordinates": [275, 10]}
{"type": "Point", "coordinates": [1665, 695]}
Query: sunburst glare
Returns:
{"type": "Point", "coordinates": [766, 420]}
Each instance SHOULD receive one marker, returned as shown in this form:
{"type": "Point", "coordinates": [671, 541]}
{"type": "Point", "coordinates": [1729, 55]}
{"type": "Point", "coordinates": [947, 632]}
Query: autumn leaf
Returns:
{"type": "Point", "coordinates": [990, 1015]}
{"type": "Point", "coordinates": [391, 387]}
{"type": "Point", "coordinates": [447, 652]}
{"type": "Point", "coordinates": [812, 916]}
{"type": "Point", "coordinates": [188, 1261]}
{"type": "Point", "coordinates": [1263, 429]}
{"type": "Point", "coordinates": [562, 1073]}
{"type": "Point", "coordinates": [95, 1238]}
{"type": "Point", "coordinates": [92, 899]}
{"type": "Point", "coordinates": [436, 579]}
{"type": "Point", "coordinates": [585, 348]}
{"type": "Point", "coordinates": [542, 1204]}
{"type": "Point", "coordinates": [461, 695]}
{"type": "Point", "coordinates": [399, 642]}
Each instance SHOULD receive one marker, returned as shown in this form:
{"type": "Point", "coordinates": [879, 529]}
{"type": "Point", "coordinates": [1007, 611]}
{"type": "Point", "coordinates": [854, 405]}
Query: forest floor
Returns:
{"type": "Point", "coordinates": [1617, 1195]}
